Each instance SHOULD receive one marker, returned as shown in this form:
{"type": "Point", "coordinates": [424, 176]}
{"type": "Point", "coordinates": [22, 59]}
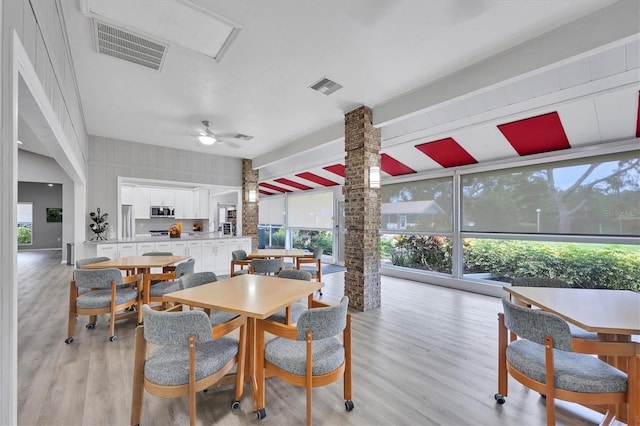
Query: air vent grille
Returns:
{"type": "Point", "coordinates": [326, 86]}
{"type": "Point", "coordinates": [243, 137]}
{"type": "Point", "coordinates": [125, 45]}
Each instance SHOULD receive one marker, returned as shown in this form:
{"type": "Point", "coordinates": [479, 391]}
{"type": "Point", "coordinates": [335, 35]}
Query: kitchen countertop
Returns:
{"type": "Point", "coordinates": [186, 236]}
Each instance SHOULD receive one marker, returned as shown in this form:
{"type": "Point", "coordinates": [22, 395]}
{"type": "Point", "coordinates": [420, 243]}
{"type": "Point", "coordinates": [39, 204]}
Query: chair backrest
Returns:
{"type": "Point", "coordinates": [173, 328]}
{"type": "Point", "coordinates": [185, 268]}
{"type": "Point", "coordinates": [197, 278]}
{"type": "Point", "coordinates": [238, 255]}
{"type": "Point", "coordinates": [317, 253]}
{"type": "Point", "coordinates": [97, 278]}
{"type": "Point", "coordinates": [89, 260]}
{"type": "Point", "coordinates": [539, 282]}
{"type": "Point", "coordinates": [536, 324]}
{"type": "Point", "coordinates": [295, 274]}
{"type": "Point", "coordinates": [158, 253]}
{"type": "Point", "coordinates": [266, 266]}
{"type": "Point", "coordinates": [323, 322]}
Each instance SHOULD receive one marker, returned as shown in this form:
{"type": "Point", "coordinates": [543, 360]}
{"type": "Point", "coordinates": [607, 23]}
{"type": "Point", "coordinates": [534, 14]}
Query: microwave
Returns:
{"type": "Point", "coordinates": [162, 211]}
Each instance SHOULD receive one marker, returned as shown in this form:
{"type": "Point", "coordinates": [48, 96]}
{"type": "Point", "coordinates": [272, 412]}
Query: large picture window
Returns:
{"type": "Point", "coordinates": [593, 196]}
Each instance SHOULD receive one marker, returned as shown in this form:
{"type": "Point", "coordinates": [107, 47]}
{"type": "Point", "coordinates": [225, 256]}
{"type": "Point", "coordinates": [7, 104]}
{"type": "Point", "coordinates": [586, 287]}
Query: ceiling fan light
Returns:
{"type": "Point", "coordinates": [207, 140]}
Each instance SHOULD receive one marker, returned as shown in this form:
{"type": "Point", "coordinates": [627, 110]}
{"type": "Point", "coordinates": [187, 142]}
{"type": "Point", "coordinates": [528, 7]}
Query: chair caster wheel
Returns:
{"type": "Point", "coordinates": [348, 404]}
{"type": "Point", "coordinates": [91, 325]}
{"type": "Point", "coordinates": [543, 396]}
{"type": "Point", "coordinates": [129, 309]}
{"type": "Point", "coordinates": [499, 399]}
{"type": "Point", "coordinates": [140, 323]}
{"type": "Point", "coordinates": [235, 405]}
{"type": "Point", "coordinates": [261, 413]}
{"type": "Point", "coordinates": [113, 338]}
{"type": "Point", "coordinates": [68, 340]}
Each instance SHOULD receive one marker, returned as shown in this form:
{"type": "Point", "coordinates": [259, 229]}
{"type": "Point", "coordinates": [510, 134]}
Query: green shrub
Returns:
{"type": "Point", "coordinates": [24, 235]}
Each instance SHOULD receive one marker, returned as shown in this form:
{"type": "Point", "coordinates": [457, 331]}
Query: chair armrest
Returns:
{"type": "Point", "coordinates": [225, 328]}
{"type": "Point", "coordinates": [319, 304]}
{"type": "Point", "coordinates": [128, 279]}
{"type": "Point", "coordinates": [602, 348]}
{"type": "Point", "coordinates": [277, 329]}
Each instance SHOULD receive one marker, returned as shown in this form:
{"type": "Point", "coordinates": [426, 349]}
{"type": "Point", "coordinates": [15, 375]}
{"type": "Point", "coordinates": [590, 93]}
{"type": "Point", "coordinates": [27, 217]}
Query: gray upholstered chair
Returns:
{"type": "Point", "coordinates": [101, 291]}
{"type": "Point", "coordinates": [576, 332]}
{"type": "Point", "coordinates": [291, 313]}
{"type": "Point", "coordinates": [157, 285]}
{"type": "Point", "coordinates": [309, 354]}
{"type": "Point", "coordinates": [542, 360]}
{"type": "Point", "coordinates": [316, 269]}
{"type": "Point", "coordinates": [239, 258]}
{"type": "Point", "coordinates": [266, 266]}
{"type": "Point", "coordinates": [186, 358]}
{"type": "Point", "coordinates": [89, 260]}
{"type": "Point", "coordinates": [166, 269]}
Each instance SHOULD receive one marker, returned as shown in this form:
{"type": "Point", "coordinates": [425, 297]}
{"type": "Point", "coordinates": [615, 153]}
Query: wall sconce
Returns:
{"type": "Point", "coordinates": [252, 196]}
{"type": "Point", "coordinates": [374, 177]}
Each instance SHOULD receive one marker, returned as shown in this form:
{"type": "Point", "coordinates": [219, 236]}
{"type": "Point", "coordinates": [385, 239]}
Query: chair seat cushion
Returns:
{"type": "Point", "coordinates": [309, 269]}
{"type": "Point", "coordinates": [581, 333]}
{"type": "Point", "coordinates": [240, 271]}
{"type": "Point", "coordinates": [102, 298]}
{"type": "Point", "coordinates": [163, 287]}
{"type": "Point", "coordinates": [573, 371]}
{"type": "Point", "coordinates": [296, 310]}
{"type": "Point", "coordinates": [291, 355]}
{"type": "Point", "coordinates": [219, 317]}
{"type": "Point", "coordinates": [169, 365]}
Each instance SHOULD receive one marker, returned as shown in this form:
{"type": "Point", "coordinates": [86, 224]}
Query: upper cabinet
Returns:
{"type": "Point", "coordinates": [184, 204]}
{"type": "Point", "coordinates": [201, 204]}
{"type": "Point", "coordinates": [126, 195]}
{"type": "Point", "coordinates": [162, 197]}
{"type": "Point", "coordinates": [141, 202]}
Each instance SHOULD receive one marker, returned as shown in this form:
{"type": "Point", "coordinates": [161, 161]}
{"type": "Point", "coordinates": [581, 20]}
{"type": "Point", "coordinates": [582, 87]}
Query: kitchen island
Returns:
{"type": "Point", "coordinates": [211, 252]}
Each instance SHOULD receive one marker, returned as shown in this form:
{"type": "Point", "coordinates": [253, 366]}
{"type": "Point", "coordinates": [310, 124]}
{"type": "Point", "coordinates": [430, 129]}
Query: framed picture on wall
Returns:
{"type": "Point", "coordinates": [54, 214]}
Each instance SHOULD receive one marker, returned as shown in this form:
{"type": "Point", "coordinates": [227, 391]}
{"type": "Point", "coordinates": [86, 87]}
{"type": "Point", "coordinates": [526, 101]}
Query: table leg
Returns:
{"type": "Point", "coordinates": [622, 364]}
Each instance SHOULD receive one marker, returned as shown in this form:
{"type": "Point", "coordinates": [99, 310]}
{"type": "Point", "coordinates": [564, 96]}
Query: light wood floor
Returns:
{"type": "Point", "coordinates": [426, 357]}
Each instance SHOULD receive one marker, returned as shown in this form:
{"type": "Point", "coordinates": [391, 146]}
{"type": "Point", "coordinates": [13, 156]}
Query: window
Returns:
{"type": "Point", "coordinates": [271, 231]}
{"type": "Point", "coordinates": [25, 224]}
{"type": "Point", "coordinates": [593, 196]}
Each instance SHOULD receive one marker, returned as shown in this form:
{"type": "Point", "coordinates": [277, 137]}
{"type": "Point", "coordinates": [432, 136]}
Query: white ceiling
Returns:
{"type": "Point", "coordinates": [419, 64]}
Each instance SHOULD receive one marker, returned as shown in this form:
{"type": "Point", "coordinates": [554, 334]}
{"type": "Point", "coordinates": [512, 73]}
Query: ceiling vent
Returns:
{"type": "Point", "coordinates": [326, 86]}
{"type": "Point", "coordinates": [243, 137]}
{"type": "Point", "coordinates": [128, 46]}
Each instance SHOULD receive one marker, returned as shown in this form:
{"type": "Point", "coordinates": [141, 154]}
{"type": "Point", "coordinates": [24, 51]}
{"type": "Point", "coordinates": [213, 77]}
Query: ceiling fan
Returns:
{"type": "Point", "coordinates": [207, 136]}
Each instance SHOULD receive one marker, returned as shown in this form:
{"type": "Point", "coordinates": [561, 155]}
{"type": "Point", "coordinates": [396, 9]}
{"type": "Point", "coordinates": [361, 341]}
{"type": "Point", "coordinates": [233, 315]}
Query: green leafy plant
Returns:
{"type": "Point", "coordinates": [24, 235]}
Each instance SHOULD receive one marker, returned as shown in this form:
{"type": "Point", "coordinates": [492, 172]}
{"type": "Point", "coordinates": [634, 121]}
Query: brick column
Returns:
{"type": "Point", "coordinates": [362, 211]}
{"type": "Point", "coordinates": [249, 210]}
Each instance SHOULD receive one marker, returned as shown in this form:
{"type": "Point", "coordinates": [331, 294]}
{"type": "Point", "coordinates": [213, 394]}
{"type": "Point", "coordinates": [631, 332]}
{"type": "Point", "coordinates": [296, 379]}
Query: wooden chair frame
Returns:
{"type": "Point", "coordinates": [610, 400]}
{"type": "Point", "coordinates": [140, 382]}
{"type": "Point", "coordinates": [308, 381]}
{"type": "Point", "coordinates": [93, 313]}
{"type": "Point", "coordinates": [241, 263]}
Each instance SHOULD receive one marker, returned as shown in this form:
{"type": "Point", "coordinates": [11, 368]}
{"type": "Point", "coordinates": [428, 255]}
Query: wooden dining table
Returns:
{"type": "Point", "coordinates": [255, 296]}
{"type": "Point", "coordinates": [613, 314]}
{"type": "Point", "coordinates": [139, 264]}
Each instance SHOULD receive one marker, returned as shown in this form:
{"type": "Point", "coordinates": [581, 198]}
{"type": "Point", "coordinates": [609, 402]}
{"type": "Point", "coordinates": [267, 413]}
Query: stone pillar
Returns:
{"type": "Point", "coordinates": [249, 210]}
{"type": "Point", "coordinates": [362, 211]}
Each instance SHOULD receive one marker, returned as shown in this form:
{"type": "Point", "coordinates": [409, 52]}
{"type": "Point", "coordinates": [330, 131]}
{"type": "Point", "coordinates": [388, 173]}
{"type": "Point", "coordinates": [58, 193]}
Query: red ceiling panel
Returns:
{"type": "Point", "coordinates": [263, 192]}
{"type": "Point", "coordinates": [275, 188]}
{"type": "Point", "coordinates": [638, 119]}
{"type": "Point", "coordinates": [317, 179]}
{"type": "Point", "coordinates": [393, 167]}
{"type": "Point", "coordinates": [447, 152]}
{"type": "Point", "coordinates": [337, 169]}
{"type": "Point", "coordinates": [534, 135]}
{"type": "Point", "coordinates": [292, 184]}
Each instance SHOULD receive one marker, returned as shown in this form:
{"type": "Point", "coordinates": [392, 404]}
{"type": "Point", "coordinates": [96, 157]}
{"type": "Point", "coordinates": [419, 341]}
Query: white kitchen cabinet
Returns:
{"type": "Point", "coordinates": [201, 203]}
{"type": "Point", "coordinates": [127, 249]}
{"type": "Point", "coordinates": [195, 251]}
{"type": "Point", "coordinates": [141, 202]}
{"type": "Point", "coordinates": [208, 258]}
{"type": "Point", "coordinates": [180, 248]}
{"type": "Point", "coordinates": [216, 256]}
{"type": "Point", "coordinates": [163, 246]}
{"type": "Point", "coordinates": [126, 195]}
{"type": "Point", "coordinates": [146, 248]}
{"type": "Point", "coordinates": [184, 204]}
{"type": "Point", "coordinates": [162, 197]}
{"type": "Point", "coordinates": [108, 250]}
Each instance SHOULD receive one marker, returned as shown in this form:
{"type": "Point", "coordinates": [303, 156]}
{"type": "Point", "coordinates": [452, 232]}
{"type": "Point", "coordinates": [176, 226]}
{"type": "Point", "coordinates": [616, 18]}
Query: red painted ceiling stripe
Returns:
{"type": "Point", "coordinates": [447, 152]}
{"type": "Point", "coordinates": [293, 184]}
{"type": "Point", "coordinates": [394, 167]}
{"type": "Point", "coordinates": [638, 119]}
{"type": "Point", "coordinates": [263, 192]}
{"type": "Point", "coordinates": [337, 169]}
{"type": "Point", "coordinates": [275, 188]}
{"type": "Point", "coordinates": [317, 179]}
{"type": "Point", "coordinates": [533, 135]}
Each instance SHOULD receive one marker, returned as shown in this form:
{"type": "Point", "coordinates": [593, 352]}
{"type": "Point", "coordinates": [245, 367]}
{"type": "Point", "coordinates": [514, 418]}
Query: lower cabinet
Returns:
{"type": "Point", "coordinates": [216, 257]}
